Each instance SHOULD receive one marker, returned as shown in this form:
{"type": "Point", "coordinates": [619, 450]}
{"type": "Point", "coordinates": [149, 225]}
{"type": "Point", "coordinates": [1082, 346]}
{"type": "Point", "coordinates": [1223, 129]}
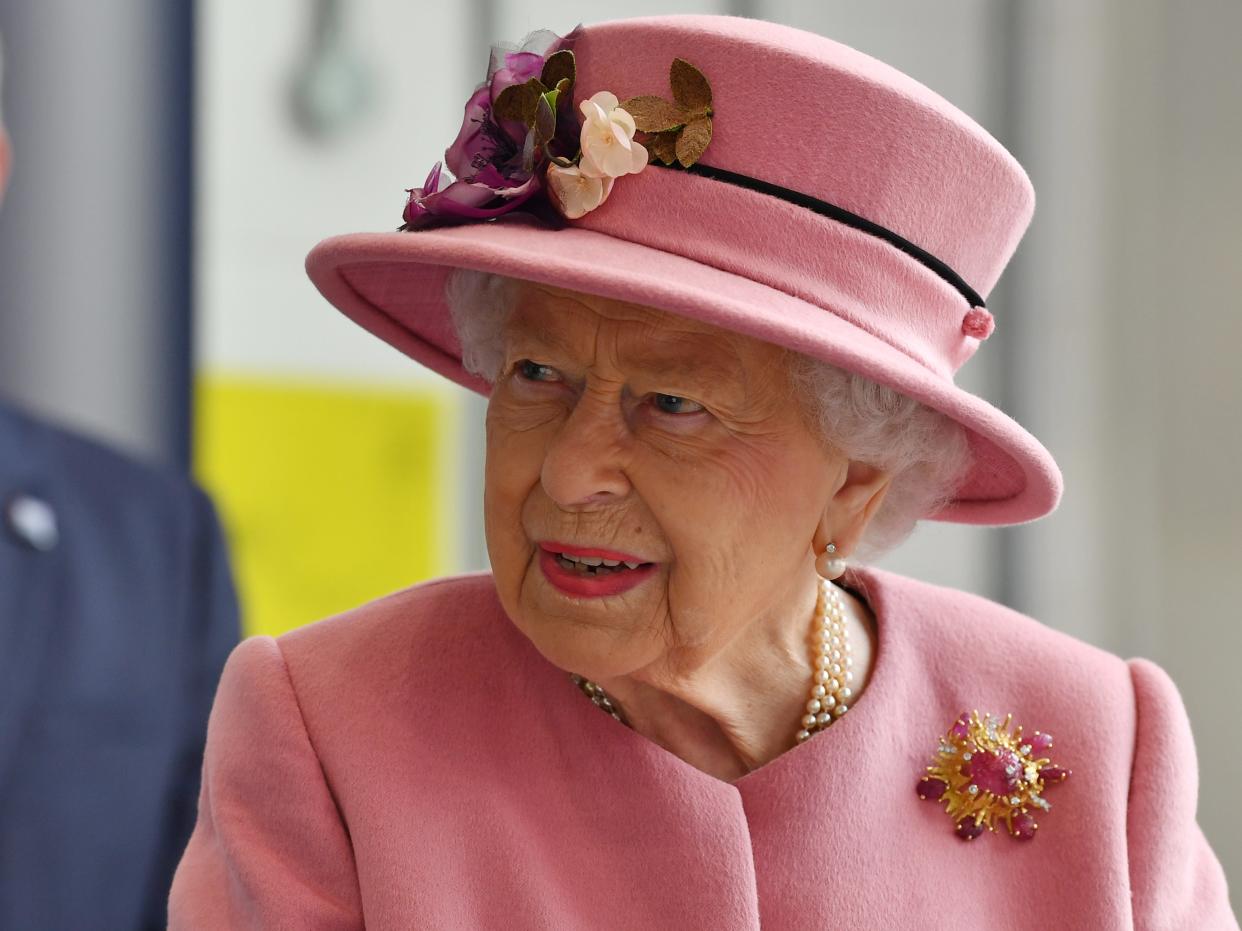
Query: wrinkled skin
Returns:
{"type": "Point", "coordinates": [710, 469]}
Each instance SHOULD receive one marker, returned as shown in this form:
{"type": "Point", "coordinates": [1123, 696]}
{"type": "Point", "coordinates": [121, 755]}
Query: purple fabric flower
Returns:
{"type": "Point", "coordinates": [494, 161]}
{"type": "Point", "coordinates": [516, 68]}
{"type": "Point", "coordinates": [465, 200]}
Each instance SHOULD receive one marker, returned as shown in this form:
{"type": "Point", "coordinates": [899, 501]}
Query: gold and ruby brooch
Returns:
{"type": "Point", "coordinates": [987, 775]}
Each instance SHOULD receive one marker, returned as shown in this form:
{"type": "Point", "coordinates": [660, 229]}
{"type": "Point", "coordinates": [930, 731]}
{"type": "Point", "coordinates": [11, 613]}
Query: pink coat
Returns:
{"type": "Point", "coordinates": [416, 763]}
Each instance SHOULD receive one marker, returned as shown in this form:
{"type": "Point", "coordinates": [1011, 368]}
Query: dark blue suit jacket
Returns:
{"type": "Point", "coordinates": [111, 644]}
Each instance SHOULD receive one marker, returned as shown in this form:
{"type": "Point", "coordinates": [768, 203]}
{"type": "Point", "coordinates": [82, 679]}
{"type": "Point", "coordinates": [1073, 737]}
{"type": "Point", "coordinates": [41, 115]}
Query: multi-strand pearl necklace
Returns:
{"type": "Point", "coordinates": [830, 685]}
{"type": "Point", "coordinates": [831, 692]}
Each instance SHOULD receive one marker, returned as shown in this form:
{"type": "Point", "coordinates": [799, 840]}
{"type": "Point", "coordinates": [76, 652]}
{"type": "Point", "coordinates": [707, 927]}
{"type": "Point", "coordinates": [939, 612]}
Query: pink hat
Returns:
{"type": "Point", "coordinates": [816, 198]}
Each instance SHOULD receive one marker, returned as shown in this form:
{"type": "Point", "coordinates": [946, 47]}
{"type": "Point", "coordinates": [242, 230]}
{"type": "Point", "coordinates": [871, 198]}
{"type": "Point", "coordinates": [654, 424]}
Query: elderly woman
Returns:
{"type": "Point", "coordinates": [717, 320]}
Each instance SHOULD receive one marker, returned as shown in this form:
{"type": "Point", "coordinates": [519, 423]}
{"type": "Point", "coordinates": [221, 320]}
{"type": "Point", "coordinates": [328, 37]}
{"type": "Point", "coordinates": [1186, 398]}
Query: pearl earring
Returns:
{"type": "Point", "coordinates": [829, 566]}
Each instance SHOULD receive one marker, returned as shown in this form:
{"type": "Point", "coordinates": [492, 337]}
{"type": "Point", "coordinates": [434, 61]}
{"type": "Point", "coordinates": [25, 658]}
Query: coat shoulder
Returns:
{"type": "Point", "coordinates": [960, 635]}
{"type": "Point", "coordinates": [441, 623]}
{"type": "Point", "coordinates": [88, 476]}
{"type": "Point", "coordinates": [976, 627]}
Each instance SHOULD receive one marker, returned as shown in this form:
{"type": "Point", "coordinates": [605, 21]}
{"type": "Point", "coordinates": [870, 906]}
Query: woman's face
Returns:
{"type": "Point", "coordinates": [625, 428]}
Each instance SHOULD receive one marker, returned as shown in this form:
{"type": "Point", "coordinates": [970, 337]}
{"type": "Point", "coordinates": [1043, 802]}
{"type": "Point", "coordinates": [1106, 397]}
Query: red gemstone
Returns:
{"type": "Point", "coordinates": [967, 829]}
{"type": "Point", "coordinates": [1040, 742]}
{"type": "Point", "coordinates": [1023, 826]}
{"type": "Point", "coordinates": [931, 788]}
{"type": "Point", "coordinates": [996, 771]}
{"type": "Point", "coordinates": [1051, 775]}
{"type": "Point", "coordinates": [961, 727]}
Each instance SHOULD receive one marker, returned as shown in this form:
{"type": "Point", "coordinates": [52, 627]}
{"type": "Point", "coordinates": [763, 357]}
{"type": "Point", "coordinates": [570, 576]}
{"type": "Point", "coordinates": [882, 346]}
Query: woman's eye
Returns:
{"type": "Point", "coordinates": [673, 404]}
{"type": "Point", "coordinates": [533, 371]}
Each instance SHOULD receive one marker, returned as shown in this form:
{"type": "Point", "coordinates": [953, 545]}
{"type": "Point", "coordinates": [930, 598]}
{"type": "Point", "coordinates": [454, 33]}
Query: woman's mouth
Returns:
{"type": "Point", "coordinates": [592, 576]}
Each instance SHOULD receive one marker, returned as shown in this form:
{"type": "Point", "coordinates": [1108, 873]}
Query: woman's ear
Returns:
{"type": "Point", "coordinates": [851, 508]}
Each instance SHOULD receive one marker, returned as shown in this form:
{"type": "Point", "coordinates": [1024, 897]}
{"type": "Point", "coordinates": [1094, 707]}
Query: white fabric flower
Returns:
{"type": "Point", "coordinates": [608, 146]}
{"type": "Point", "coordinates": [573, 192]}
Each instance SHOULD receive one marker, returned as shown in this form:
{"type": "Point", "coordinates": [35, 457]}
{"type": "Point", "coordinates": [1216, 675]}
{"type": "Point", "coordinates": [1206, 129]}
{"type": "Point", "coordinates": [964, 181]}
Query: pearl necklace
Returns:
{"type": "Point", "coordinates": [830, 685]}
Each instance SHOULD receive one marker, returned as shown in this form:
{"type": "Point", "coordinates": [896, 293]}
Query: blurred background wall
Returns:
{"type": "Point", "coordinates": [95, 234]}
{"type": "Point", "coordinates": [1118, 320]}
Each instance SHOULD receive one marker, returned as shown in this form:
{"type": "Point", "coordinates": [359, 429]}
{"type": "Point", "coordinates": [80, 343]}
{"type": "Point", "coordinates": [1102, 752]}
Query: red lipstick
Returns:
{"type": "Point", "coordinates": [588, 584]}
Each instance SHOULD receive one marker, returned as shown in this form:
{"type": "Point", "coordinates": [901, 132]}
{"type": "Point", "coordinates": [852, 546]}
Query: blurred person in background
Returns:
{"type": "Point", "coordinates": [683, 696]}
{"type": "Point", "coordinates": [117, 611]}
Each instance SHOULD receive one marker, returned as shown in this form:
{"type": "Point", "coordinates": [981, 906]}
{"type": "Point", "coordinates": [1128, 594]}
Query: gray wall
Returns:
{"type": "Point", "coordinates": [95, 231]}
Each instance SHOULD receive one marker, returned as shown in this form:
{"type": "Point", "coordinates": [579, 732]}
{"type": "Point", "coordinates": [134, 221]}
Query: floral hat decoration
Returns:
{"type": "Point", "coordinates": [749, 175]}
{"type": "Point", "coordinates": [520, 138]}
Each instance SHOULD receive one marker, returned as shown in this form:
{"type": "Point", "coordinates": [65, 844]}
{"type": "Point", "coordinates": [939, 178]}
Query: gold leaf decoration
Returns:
{"type": "Point", "coordinates": [690, 87]}
{"type": "Point", "coordinates": [664, 146]}
{"type": "Point", "coordinates": [519, 102]}
{"type": "Point", "coordinates": [681, 131]}
{"type": "Point", "coordinates": [653, 114]}
{"type": "Point", "coordinates": [693, 139]}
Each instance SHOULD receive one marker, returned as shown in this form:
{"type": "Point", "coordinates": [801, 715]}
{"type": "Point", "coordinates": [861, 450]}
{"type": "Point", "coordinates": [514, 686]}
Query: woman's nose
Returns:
{"type": "Point", "coordinates": [585, 463]}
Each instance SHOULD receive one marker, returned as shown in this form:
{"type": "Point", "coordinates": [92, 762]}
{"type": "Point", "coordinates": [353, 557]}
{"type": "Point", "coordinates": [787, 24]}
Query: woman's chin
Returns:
{"type": "Point", "coordinates": [572, 646]}
{"type": "Point", "coordinates": [571, 637]}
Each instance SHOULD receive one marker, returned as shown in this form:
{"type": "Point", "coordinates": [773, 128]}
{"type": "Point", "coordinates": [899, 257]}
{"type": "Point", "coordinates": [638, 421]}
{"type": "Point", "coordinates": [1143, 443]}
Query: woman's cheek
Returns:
{"type": "Point", "coordinates": [509, 415]}
{"type": "Point", "coordinates": [509, 551]}
{"type": "Point", "coordinates": [515, 462]}
{"type": "Point", "coordinates": [677, 451]}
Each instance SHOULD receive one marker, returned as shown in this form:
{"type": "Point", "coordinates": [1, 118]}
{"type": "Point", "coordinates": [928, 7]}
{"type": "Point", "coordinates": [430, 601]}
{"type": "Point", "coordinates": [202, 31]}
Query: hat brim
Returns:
{"type": "Point", "coordinates": [392, 284]}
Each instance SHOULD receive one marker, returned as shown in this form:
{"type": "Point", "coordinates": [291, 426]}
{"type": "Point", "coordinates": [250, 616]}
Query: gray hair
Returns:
{"type": "Point", "coordinates": [926, 452]}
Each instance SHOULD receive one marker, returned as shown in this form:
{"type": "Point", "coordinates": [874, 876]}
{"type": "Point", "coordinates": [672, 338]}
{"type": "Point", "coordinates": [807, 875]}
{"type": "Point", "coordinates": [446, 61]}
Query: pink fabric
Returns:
{"type": "Point", "coordinates": [794, 109]}
{"type": "Point", "coordinates": [416, 763]}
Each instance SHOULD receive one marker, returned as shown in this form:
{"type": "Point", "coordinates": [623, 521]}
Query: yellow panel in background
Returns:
{"type": "Point", "coordinates": [331, 494]}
